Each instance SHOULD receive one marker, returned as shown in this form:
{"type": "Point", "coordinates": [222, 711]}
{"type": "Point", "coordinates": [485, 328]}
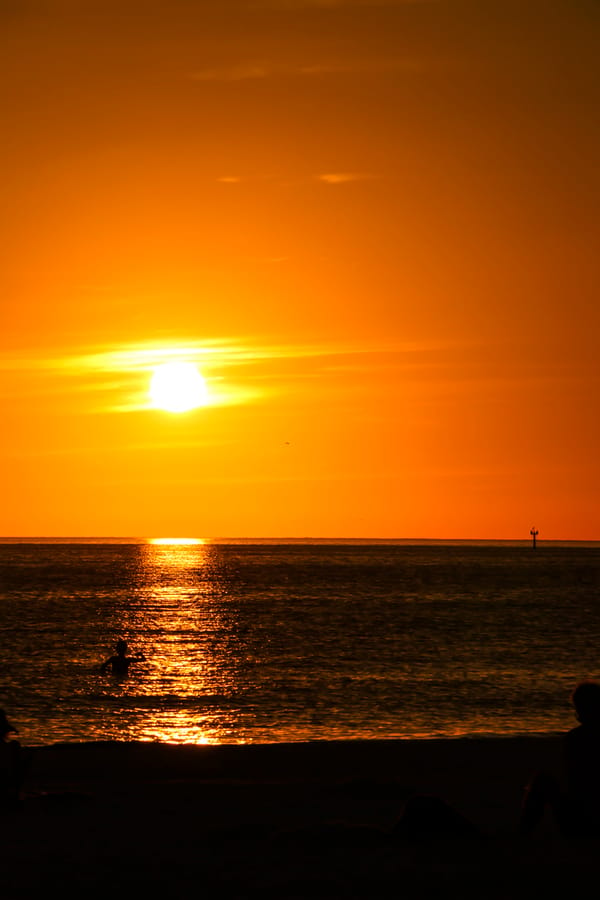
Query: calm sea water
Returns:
{"type": "Point", "coordinates": [292, 642]}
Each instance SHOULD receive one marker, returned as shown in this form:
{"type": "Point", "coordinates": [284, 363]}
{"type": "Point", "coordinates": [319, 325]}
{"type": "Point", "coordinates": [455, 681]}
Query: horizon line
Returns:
{"type": "Point", "coordinates": [39, 538]}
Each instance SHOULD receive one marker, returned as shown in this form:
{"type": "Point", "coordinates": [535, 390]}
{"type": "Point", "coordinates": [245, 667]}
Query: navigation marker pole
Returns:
{"type": "Point", "coordinates": [534, 533]}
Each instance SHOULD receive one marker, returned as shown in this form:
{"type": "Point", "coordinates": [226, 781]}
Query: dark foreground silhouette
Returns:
{"type": "Point", "coordinates": [427, 816]}
{"type": "Point", "coordinates": [269, 821]}
{"type": "Point", "coordinates": [574, 796]}
{"type": "Point", "coordinates": [12, 764]}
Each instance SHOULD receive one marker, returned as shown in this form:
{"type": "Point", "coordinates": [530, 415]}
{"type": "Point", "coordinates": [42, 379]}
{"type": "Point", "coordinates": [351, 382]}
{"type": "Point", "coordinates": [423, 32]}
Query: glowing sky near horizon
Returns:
{"type": "Point", "coordinates": [373, 226]}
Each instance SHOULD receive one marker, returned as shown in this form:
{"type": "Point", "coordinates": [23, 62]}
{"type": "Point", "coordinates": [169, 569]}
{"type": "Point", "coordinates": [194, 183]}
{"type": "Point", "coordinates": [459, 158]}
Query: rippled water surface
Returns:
{"type": "Point", "coordinates": [295, 642]}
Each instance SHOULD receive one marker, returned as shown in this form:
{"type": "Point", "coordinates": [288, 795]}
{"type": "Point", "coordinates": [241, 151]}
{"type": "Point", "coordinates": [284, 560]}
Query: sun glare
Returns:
{"type": "Point", "coordinates": [177, 387]}
{"type": "Point", "coordinates": [181, 541]}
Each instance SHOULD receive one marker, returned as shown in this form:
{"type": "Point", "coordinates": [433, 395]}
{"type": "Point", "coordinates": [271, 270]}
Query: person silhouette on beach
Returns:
{"type": "Point", "coordinates": [574, 799]}
{"type": "Point", "coordinates": [119, 663]}
{"type": "Point", "coordinates": [12, 764]}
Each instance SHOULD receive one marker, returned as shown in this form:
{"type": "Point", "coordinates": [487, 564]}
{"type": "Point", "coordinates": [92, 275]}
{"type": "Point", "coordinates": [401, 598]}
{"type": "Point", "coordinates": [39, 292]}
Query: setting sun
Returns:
{"type": "Point", "coordinates": [178, 387]}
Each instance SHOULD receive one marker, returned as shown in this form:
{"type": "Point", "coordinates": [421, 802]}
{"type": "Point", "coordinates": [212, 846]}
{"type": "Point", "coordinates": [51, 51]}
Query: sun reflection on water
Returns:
{"type": "Point", "coordinates": [176, 728]}
{"type": "Point", "coordinates": [174, 623]}
{"type": "Point", "coordinates": [176, 553]}
{"type": "Point", "coordinates": [176, 541]}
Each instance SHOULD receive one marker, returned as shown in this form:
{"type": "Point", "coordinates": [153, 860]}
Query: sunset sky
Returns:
{"type": "Point", "coordinates": [373, 226]}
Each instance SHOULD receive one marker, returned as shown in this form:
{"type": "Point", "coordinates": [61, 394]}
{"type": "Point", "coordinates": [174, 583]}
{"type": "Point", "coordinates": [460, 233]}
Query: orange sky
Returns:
{"type": "Point", "coordinates": [373, 225]}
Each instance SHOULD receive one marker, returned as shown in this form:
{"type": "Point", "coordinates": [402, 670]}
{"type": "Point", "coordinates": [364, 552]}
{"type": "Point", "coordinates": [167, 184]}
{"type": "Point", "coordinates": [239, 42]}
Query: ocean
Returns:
{"type": "Point", "coordinates": [266, 641]}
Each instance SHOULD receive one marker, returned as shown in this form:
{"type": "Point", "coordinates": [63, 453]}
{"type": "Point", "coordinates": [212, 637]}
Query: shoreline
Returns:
{"type": "Point", "coordinates": [282, 820]}
{"type": "Point", "coordinates": [251, 760]}
{"type": "Point", "coordinates": [484, 777]}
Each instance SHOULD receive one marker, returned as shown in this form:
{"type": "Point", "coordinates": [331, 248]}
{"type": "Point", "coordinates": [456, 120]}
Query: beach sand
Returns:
{"type": "Point", "coordinates": [282, 820]}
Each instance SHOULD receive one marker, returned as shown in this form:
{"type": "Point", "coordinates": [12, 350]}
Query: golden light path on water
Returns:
{"type": "Point", "coordinates": [174, 625]}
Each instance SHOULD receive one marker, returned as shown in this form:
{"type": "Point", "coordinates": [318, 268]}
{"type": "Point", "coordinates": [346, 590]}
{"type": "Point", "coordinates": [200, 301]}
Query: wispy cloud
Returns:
{"type": "Point", "coordinates": [344, 177]}
{"type": "Point", "coordinates": [325, 178]}
{"type": "Point", "coordinates": [115, 379]}
{"type": "Point", "coordinates": [365, 66]}
{"type": "Point", "coordinates": [242, 72]}
{"type": "Point", "coordinates": [332, 4]}
{"type": "Point", "coordinates": [210, 354]}
{"type": "Point", "coordinates": [256, 71]}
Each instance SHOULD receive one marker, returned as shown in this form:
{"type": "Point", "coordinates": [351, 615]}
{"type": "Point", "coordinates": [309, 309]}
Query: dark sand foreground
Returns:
{"type": "Point", "coordinates": [282, 820]}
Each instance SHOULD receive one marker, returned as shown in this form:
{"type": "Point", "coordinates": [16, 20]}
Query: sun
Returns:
{"type": "Point", "coordinates": [178, 387]}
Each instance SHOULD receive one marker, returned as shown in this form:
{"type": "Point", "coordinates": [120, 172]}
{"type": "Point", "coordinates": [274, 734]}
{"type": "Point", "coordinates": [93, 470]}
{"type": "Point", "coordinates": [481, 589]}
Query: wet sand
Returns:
{"type": "Point", "coordinates": [282, 820]}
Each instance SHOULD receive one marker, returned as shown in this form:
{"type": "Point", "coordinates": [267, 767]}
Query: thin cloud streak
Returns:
{"type": "Point", "coordinates": [344, 177]}
{"type": "Point", "coordinates": [110, 380]}
{"type": "Point", "coordinates": [334, 4]}
{"type": "Point", "coordinates": [107, 380]}
{"type": "Point", "coordinates": [144, 357]}
{"type": "Point", "coordinates": [326, 178]}
{"type": "Point", "coordinates": [232, 73]}
{"type": "Point", "coordinates": [251, 71]}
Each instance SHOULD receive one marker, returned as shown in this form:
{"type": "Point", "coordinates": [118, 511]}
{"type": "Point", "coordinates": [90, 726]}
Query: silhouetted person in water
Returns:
{"type": "Point", "coordinates": [12, 765]}
{"type": "Point", "coordinates": [576, 802]}
{"type": "Point", "coordinates": [120, 662]}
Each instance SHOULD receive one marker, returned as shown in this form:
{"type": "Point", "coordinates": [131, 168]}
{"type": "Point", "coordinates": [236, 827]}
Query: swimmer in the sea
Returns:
{"type": "Point", "coordinates": [120, 662]}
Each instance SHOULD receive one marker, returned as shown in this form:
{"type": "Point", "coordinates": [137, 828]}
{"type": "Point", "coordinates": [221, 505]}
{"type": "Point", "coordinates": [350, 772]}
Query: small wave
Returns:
{"type": "Point", "coordinates": [151, 701]}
